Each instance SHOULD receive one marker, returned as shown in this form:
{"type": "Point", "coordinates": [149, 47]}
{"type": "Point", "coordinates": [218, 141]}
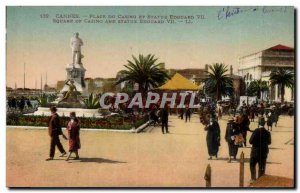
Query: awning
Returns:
{"type": "Point", "coordinates": [178, 82]}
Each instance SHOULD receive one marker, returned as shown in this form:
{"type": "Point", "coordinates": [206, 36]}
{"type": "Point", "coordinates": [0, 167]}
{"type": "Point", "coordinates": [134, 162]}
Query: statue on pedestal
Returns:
{"type": "Point", "coordinates": [76, 44]}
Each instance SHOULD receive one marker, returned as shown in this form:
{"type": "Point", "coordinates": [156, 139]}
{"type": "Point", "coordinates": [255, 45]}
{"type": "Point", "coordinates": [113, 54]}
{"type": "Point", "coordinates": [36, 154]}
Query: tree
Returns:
{"type": "Point", "coordinates": [218, 83]}
{"type": "Point", "coordinates": [284, 78]}
{"type": "Point", "coordinates": [144, 71]}
{"type": "Point", "coordinates": [257, 87]}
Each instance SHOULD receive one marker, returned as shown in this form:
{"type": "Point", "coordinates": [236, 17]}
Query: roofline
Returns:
{"type": "Point", "coordinates": [264, 50]}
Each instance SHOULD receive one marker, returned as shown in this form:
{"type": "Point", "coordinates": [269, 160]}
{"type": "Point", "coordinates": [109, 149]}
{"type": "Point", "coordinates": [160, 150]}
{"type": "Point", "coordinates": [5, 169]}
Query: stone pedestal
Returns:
{"type": "Point", "coordinates": [75, 72]}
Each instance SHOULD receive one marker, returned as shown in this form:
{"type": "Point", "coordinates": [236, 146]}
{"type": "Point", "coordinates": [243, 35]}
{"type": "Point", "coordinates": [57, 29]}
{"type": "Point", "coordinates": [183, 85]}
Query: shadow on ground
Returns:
{"type": "Point", "coordinates": [99, 160]}
{"type": "Point", "coordinates": [282, 131]}
{"type": "Point", "coordinates": [184, 133]}
{"type": "Point", "coordinates": [246, 160]}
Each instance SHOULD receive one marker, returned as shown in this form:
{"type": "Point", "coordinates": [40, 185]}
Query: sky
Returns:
{"type": "Point", "coordinates": [44, 46]}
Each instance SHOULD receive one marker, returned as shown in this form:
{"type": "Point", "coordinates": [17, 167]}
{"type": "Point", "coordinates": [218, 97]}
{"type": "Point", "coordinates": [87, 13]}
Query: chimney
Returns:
{"type": "Point", "coordinates": [231, 70]}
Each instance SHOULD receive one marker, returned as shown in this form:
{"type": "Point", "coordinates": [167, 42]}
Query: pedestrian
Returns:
{"type": "Point", "coordinates": [73, 132]}
{"type": "Point", "coordinates": [262, 109]}
{"type": "Point", "coordinates": [28, 103]}
{"type": "Point", "coordinates": [181, 114]}
{"type": "Point", "coordinates": [232, 131]}
{"type": "Point", "coordinates": [54, 130]}
{"type": "Point", "coordinates": [212, 138]}
{"type": "Point", "coordinates": [153, 116]}
{"type": "Point", "coordinates": [276, 116]}
{"type": "Point", "coordinates": [14, 103]}
{"type": "Point", "coordinates": [164, 116]}
{"type": "Point", "coordinates": [187, 114]}
{"type": "Point", "coordinates": [260, 140]}
{"type": "Point", "coordinates": [291, 111]}
{"type": "Point", "coordinates": [252, 113]}
{"type": "Point", "coordinates": [21, 104]}
{"type": "Point", "coordinates": [244, 126]}
{"type": "Point", "coordinates": [269, 120]}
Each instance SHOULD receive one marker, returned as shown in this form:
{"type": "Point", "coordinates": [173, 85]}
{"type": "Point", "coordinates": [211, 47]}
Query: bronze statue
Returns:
{"type": "Point", "coordinates": [72, 92]}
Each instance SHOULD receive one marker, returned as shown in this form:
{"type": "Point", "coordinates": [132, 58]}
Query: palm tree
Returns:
{"type": "Point", "coordinates": [257, 87]}
{"type": "Point", "coordinates": [144, 71]}
{"type": "Point", "coordinates": [218, 83]}
{"type": "Point", "coordinates": [284, 78]}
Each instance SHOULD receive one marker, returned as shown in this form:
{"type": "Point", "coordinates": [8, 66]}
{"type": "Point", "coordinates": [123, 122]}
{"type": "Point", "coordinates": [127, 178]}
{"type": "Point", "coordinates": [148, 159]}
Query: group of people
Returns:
{"type": "Point", "coordinates": [271, 114]}
{"type": "Point", "coordinates": [18, 104]}
{"type": "Point", "coordinates": [187, 113]}
{"type": "Point", "coordinates": [161, 116]}
{"type": "Point", "coordinates": [236, 136]}
{"type": "Point", "coordinates": [55, 130]}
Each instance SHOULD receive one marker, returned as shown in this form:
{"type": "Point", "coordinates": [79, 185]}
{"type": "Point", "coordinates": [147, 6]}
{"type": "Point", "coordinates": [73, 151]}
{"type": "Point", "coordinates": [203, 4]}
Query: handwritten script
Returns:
{"type": "Point", "coordinates": [229, 12]}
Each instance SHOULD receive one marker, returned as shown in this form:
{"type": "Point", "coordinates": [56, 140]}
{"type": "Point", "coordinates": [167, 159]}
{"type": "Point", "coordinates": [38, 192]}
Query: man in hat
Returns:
{"type": "Point", "coordinates": [232, 131]}
{"type": "Point", "coordinates": [54, 130]}
{"type": "Point", "coordinates": [260, 140]}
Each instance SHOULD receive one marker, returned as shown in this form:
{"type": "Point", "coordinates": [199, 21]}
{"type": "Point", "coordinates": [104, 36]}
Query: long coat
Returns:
{"type": "Point", "coordinates": [244, 125]}
{"type": "Point", "coordinates": [232, 129]}
{"type": "Point", "coordinates": [164, 115]}
{"type": "Point", "coordinates": [213, 138]}
{"type": "Point", "coordinates": [54, 126]}
{"type": "Point", "coordinates": [73, 132]}
{"type": "Point", "coordinates": [260, 140]}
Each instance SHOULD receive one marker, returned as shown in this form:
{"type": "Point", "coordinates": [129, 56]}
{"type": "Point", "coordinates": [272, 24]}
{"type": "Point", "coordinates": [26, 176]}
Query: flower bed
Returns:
{"type": "Point", "coordinates": [112, 122]}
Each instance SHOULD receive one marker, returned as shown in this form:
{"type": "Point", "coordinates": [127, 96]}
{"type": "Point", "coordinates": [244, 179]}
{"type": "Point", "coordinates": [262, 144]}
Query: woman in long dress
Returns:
{"type": "Point", "coordinates": [73, 132]}
{"type": "Point", "coordinates": [212, 138]}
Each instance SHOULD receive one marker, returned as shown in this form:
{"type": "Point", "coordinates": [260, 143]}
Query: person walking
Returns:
{"type": "Point", "coordinates": [269, 120]}
{"type": "Point", "coordinates": [164, 116]}
{"type": "Point", "coordinates": [54, 130]}
{"type": "Point", "coordinates": [260, 140]}
{"type": "Point", "coordinates": [187, 114]}
{"type": "Point", "coordinates": [244, 126]}
{"type": "Point", "coordinates": [232, 131]}
{"type": "Point", "coordinates": [22, 104]}
{"type": "Point", "coordinates": [252, 113]}
{"type": "Point", "coordinates": [181, 113]}
{"type": "Point", "coordinates": [212, 138]}
{"type": "Point", "coordinates": [276, 116]}
{"type": "Point", "coordinates": [73, 132]}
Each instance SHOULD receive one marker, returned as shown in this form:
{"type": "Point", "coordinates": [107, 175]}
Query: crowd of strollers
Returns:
{"type": "Point", "coordinates": [235, 135]}
{"type": "Point", "coordinates": [237, 128]}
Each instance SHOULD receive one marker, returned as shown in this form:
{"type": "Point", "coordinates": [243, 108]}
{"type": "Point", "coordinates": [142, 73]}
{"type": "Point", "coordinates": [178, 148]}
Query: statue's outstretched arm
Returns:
{"type": "Point", "coordinates": [67, 82]}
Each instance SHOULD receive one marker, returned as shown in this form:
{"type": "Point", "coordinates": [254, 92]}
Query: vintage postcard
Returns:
{"type": "Point", "coordinates": [163, 96]}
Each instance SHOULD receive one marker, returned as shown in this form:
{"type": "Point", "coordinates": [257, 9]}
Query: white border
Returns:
{"type": "Point", "coordinates": [4, 3]}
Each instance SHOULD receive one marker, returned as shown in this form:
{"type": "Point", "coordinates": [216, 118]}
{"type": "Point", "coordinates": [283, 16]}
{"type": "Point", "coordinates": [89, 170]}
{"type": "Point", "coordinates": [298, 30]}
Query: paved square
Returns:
{"type": "Point", "coordinates": [148, 159]}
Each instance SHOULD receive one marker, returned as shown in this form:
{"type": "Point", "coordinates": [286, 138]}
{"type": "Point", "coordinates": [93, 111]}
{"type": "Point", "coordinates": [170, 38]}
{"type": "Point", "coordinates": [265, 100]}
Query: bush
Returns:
{"type": "Point", "coordinates": [113, 122]}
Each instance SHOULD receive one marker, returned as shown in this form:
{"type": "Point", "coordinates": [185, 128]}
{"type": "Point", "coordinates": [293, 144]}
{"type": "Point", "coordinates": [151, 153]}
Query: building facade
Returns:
{"type": "Point", "coordinates": [259, 65]}
{"type": "Point", "coordinates": [196, 75]}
